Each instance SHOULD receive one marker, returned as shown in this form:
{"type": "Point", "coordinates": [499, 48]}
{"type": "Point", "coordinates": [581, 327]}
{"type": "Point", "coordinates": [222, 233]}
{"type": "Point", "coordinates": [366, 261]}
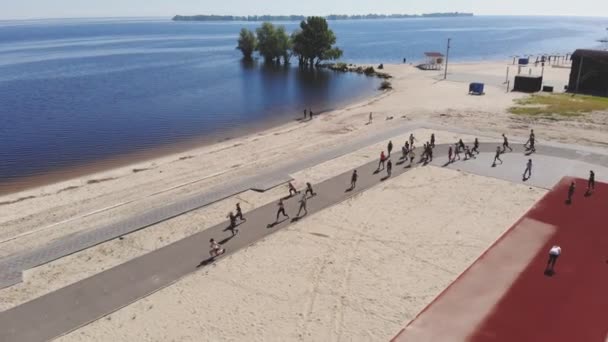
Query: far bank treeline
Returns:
{"type": "Point", "coordinates": [312, 43]}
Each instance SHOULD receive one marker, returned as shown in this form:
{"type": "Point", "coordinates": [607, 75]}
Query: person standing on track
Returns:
{"type": "Point", "coordinates": [412, 139]}
{"type": "Point", "coordinates": [497, 156]}
{"type": "Point", "coordinates": [571, 189]}
{"type": "Point", "coordinates": [353, 180]}
{"type": "Point", "coordinates": [432, 140]}
{"type": "Point", "coordinates": [281, 210]}
{"type": "Point", "coordinates": [554, 253]}
{"type": "Point", "coordinates": [591, 182]}
{"type": "Point", "coordinates": [389, 168]}
{"type": "Point", "coordinates": [528, 170]}
{"type": "Point", "coordinates": [505, 144]}
{"type": "Point", "coordinates": [389, 148]}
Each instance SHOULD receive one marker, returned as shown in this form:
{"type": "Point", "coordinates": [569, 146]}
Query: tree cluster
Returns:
{"type": "Point", "coordinates": [312, 43]}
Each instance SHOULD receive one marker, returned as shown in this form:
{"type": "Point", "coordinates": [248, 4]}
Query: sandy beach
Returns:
{"type": "Point", "coordinates": [359, 269]}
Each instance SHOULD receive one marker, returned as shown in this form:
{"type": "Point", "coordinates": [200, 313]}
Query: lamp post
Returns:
{"type": "Point", "coordinates": [447, 57]}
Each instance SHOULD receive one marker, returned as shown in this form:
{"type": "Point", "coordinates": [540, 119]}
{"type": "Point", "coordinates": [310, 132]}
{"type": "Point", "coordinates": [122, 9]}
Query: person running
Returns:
{"type": "Point", "coordinates": [429, 153]}
{"type": "Point", "coordinates": [382, 161]}
{"type": "Point", "coordinates": [281, 210]}
{"type": "Point", "coordinates": [476, 146]}
{"type": "Point", "coordinates": [389, 167]}
{"type": "Point", "coordinates": [460, 145]}
{"type": "Point", "coordinates": [432, 140]}
{"type": "Point", "coordinates": [412, 139]}
{"type": "Point", "coordinates": [302, 206]}
{"type": "Point", "coordinates": [450, 152]}
{"type": "Point", "coordinates": [456, 152]}
{"type": "Point", "coordinates": [591, 182]}
{"type": "Point", "coordinates": [353, 179]}
{"type": "Point", "coordinates": [505, 144]}
{"type": "Point", "coordinates": [407, 145]}
{"type": "Point", "coordinates": [528, 170]}
{"type": "Point", "coordinates": [239, 212]}
{"type": "Point", "coordinates": [215, 249]}
{"type": "Point", "coordinates": [554, 253]}
{"type": "Point", "coordinates": [497, 156]}
{"type": "Point", "coordinates": [389, 148]}
{"type": "Point", "coordinates": [370, 118]}
{"type": "Point", "coordinates": [309, 190]}
{"type": "Point", "coordinates": [232, 226]}
{"type": "Point", "coordinates": [412, 156]}
{"type": "Point", "coordinates": [403, 152]}
{"type": "Point", "coordinates": [292, 190]}
{"type": "Point", "coordinates": [571, 191]}
{"type": "Point", "coordinates": [531, 141]}
{"type": "Point", "coordinates": [305, 113]}
{"type": "Point", "coordinates": [468, 154]}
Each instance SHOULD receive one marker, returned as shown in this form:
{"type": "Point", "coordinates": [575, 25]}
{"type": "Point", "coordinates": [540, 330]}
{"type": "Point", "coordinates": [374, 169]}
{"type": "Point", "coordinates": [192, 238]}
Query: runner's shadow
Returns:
{"type": "Point", "coordinates": [588, 193]}
{"type": "Point", "coordinates": [349, 189]}
{"type": "Point", "coordinates": [384, 178]}
{"type": "Point", "coordinates": [408, 166]}
{"type": "Point", "coordinates": [524, 178]}
{"type": "Point", "coordinates": [271, 225]}
{"type": "Point", "coordinates": [377, 171]}
{"type": "Point", "coordinates": [568, 202]}
{"type": "Point", "coordinates": [446, 164]}
{"type": "Point", "coordinates": [528, 152]}
{"type": "Point", "coordinates": [296, 219]}
{"type": "Point", "coordinates": [226, 240]}
{"type": "Point", "coordinates": [400, 162]}
{"type": "Point", "coordinates": [549, 272]}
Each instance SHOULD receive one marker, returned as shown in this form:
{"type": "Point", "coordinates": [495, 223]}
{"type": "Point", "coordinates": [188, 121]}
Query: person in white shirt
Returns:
{"type": "Point", "coordinates": [554, 253]}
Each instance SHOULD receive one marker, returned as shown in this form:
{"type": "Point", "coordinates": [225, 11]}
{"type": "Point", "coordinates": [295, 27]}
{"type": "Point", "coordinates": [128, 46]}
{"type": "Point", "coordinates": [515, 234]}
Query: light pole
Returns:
{"type": "Point", "coordinates": [447, 58]}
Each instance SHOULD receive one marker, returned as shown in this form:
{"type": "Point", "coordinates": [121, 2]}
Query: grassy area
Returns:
{"type": "Point", "coordinates": [559, 104]}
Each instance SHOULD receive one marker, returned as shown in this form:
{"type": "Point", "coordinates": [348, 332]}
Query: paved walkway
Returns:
{"type": "Point", "coordinates": [78, 304]}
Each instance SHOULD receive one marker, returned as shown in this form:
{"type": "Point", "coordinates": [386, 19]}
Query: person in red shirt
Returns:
{"type": "Point", "coordinates": [382, 160]}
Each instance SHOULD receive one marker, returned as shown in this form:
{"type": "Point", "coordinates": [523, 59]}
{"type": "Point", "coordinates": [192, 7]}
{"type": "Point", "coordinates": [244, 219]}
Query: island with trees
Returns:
{"type": "Point", "coordinates": [313, 43]}
{"type": "Point", "coordinates": [264, 18]}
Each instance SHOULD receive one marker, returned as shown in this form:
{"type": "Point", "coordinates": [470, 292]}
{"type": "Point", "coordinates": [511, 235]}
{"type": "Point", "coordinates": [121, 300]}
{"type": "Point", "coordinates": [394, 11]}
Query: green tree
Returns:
{"type": "Point", "coordinates": [273, 43]}
{"type": "Point", "coordinates": [314, 42]}
{"type": "Point", "coordinates": [247, 43]}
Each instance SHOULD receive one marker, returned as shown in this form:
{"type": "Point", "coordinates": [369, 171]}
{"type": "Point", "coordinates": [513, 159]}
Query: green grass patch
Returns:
{"type": "Point", "coordinates": [559, 104]}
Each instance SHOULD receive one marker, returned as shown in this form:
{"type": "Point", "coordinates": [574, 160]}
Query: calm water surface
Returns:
{"type": "Point", "coordinates": [73, 92]}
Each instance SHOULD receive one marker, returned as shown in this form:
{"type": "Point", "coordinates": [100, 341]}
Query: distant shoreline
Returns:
{"type": "Point", "coordinates": [257, 18]}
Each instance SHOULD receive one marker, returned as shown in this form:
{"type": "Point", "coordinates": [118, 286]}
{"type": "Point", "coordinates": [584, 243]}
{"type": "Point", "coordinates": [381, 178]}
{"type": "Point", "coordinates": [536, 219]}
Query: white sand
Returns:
{"type": "Point", "coordinates": [355, 271]}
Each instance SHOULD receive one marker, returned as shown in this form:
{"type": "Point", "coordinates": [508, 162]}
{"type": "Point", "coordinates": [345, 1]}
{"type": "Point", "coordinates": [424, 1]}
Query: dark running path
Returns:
{"type": "Point", "coordinates": [73, 306]}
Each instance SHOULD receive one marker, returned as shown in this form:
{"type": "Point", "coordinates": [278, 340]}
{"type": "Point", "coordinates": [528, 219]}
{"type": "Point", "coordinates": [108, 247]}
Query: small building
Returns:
{"type": "Point", "coordinates": [433, 61]}
{"type": "Point", "coordinates": [589, 73]}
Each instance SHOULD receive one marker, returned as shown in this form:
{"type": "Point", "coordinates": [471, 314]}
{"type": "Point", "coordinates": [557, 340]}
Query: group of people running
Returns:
{"type": "Point", "coordinates": [408, 153]}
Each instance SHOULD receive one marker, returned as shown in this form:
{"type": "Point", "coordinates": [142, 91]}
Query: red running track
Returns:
{"type": "Point", "coordinates": [569, 306]}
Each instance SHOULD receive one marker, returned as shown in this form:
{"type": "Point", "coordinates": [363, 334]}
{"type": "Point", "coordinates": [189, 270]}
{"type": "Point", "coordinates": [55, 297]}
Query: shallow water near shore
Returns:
{"type": "Point", "coordinates": [81, 95]}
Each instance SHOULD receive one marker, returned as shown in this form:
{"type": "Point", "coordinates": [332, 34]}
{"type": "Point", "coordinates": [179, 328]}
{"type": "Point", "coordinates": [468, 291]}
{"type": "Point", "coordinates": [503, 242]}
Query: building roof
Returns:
{"type": "Point", "coordinates": [433, 54]}
{"type": "Point", "coordinates": [591, 53]}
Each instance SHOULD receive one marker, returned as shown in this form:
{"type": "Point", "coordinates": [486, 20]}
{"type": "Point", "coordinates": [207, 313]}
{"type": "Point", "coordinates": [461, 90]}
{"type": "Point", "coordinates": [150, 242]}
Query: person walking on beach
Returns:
{"type": "Point", "coordinates": [412, 139]}
{"type": "Point", "coordinates": [403, 152]}
{"type": "Point", "coordinates": [310, 113]}
{"type": "Point", "coordinates": [505, 144]}
{"type": "Point", "coordinates": [232, 226]}
{"type": "Point", "coordinates": [460, 145]}
{"type": "Point", "coordinates": [531, 141]}
{"type": "Point", "coordinates": [497, 156]}
{"type": "Point", "coordinates": [292, 190]}
{"type": "Point", "coordinates": [370, 118]}
{"type": "Point", "coordinates": [353, 180]}
{"type": "Point", "coordinates": [554, 253]}
{"type": "Point", "coordinates": [450, 152]}
{"type": "Point", "coordinates": [528, 170]}
{"type": "Point", "coordinates": [309, 190]}
{"type": "Point", "coordinates": [389, 168]}
{"type": "Point", "coordinates": [302, 206]}
{"type": "Point", "coordinates": [591, 182]}
{"type": "Point", "coordinates": [429, 153]}
{"type": "Point", "coordinates": [281, 210]}
{"type": "Point", "coordinates": [476, 146]}
{"type": "Point", "coordinates": [239, 212]}
{"type": "Point", "coordinates": [389, 147]}
{"type": "Point", "coordinates": [305, 112]}
{"type": "Point", "coordinates": [571, 192]}
{"type": "Point", "coordinates": [382, 161]}
{"type": "Point", "coordinates": [432, 140]}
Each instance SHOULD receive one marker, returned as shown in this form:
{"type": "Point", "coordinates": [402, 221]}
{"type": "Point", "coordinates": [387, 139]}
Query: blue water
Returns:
{"type": "Point", "coordinates": [74, 92]}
